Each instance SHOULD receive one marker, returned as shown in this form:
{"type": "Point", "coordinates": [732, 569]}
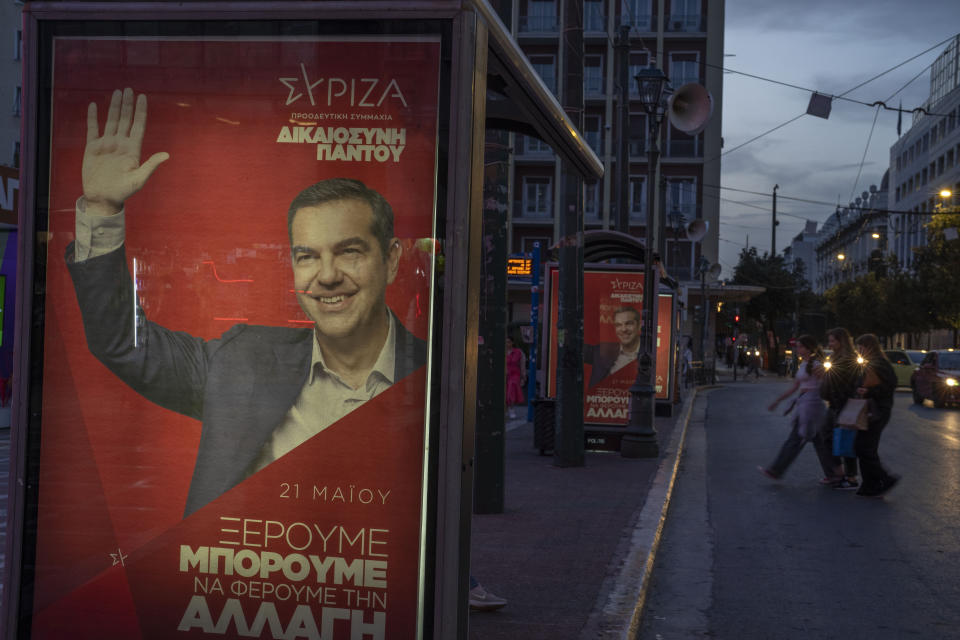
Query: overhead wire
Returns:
{"type": "Point", "coordinates": [842, 95]}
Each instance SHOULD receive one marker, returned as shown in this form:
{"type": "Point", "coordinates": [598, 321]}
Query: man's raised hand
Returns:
{"type": "Point", "coordinates": [111, 162]}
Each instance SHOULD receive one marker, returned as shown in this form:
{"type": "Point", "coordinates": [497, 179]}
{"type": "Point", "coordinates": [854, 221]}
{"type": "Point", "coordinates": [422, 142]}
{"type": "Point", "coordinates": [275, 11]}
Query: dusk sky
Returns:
{"type": "Point", "coordinates": [829, 46]}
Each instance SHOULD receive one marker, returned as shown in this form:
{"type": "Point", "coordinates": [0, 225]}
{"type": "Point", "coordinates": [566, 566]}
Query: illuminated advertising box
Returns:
{"type": "Point", "coordinates": [239, 270]}
{"type": "Point", "coordinates": [613, 305]}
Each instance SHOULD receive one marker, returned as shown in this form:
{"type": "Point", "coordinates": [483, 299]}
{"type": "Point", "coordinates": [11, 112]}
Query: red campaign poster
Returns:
{"type": "Point", "coordinates": [613, 305]}
{"type": "Point", "coordinates": [233, 431]}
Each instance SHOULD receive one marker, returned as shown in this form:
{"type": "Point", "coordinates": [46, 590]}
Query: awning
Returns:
{"type": "Point", "coordinates": [519, 101]}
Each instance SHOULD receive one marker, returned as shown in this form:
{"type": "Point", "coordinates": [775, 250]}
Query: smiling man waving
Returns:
{"type": "Point", "coordinates": [259, 391]}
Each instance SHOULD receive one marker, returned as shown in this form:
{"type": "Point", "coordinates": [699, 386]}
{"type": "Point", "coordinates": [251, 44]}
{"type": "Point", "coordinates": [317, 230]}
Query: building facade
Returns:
{"type": "Point", "coordinates": [926, 159]}
{"type": "Point", "coordinates": [854, 240]}
{"type": "Point", "coordinates": [684, 38]}
{"type": "Point", "coordinates": [11, 84]}
{"type": "Point", "coordinates": [803, 248]}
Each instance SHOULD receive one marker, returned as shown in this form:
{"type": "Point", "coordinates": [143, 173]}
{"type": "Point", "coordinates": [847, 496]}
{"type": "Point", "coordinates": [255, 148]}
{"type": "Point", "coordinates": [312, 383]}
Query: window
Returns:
{"type": "Point", "coordinates": [592, 75]}
{"type": "Point", "coordinates": [684, 15]}
{"type": "Point", "coordinates": [682, 197]}
{"type": "Point", "coordinates": [638, 14]}
{"type": "Point", "coordinates": [591, 199]}
{"type": "Point", "coordinates": [17, 101]}
{"type": "Point", "coordinates": [684, 68]}
{"type": "Point", "coordinates": [537, 197]}
{"type": "Point", "coordinates": [638, 197]}
{"type": "Point", "coordinates": [683, 145]}
{"type": "Point", "coordinates": [546, 69]}
{"type": "Point", "coordinates": [638, 134]}
{"type": "Point", "coordinates": [593, 132]}
{"type": "Point", "coordinates": [541, 16]}
{"type": "Point", "coordinates": [16, 154]}
{"type": "Point", "coordinates": [638, 62]}
{"type": "Point", "coordinates": [593, 18]}
{"type": "Point", "coordinates": [18, 45]}
{"type": "Point", "coordinates": [534, 146]}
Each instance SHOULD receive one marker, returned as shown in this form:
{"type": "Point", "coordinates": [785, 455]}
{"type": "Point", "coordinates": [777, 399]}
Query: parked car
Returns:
{"type": "Point", "coordinates": [937, 378]}
{"type": "Point", "coordinates": [904, 362]}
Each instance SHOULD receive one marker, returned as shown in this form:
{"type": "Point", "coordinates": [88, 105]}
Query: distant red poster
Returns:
{"type": "Point", "coordinates": [237, 318]}
{"type": "Point", "coordinates": [613, 305]}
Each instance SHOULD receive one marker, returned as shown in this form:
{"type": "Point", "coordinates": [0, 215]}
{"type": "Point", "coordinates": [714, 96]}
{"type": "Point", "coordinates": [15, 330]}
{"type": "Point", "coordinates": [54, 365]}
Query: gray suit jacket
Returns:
{"type": "Point", "coordinates": [240, 386]}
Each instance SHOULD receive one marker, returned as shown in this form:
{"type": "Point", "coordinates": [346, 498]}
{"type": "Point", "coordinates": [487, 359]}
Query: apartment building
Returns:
{"type": "Point", "coordinates": [926, 159]}
{"type": "Point", "coordinates": [684, 38]}
{"type": "Point", "coordinates": [855, 239]}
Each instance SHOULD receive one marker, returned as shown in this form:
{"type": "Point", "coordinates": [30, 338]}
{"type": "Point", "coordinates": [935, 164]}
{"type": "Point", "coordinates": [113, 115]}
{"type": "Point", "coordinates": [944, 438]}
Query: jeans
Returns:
{"type": "Point", "coordinates": [824, 446]}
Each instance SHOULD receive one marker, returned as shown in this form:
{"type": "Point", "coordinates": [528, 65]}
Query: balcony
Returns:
{"type": "Point", "coordinates": [644, 24]}
{"type": "Point", "coordinates": [526, 211]}
{"type": "Point", "coordinates": [538, 24]}
{"type": "Point", "coordinates": [683, 149]}
{"type": "Point", "coordinates": [686, 23]}
{"type": "Point", "coordinates": [533, 148]}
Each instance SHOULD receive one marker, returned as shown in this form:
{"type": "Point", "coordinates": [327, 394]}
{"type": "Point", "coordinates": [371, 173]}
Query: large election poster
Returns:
{"type": "Point", "coordinates": [239, 269]}
{"type": "Point", "coordinates": [613, 306]}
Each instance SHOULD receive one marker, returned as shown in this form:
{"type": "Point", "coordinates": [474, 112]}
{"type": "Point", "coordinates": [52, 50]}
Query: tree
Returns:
{"type": "Point", "coordinates": [785, 286]}
{"type": "Point", "coordinates": [936, 266]}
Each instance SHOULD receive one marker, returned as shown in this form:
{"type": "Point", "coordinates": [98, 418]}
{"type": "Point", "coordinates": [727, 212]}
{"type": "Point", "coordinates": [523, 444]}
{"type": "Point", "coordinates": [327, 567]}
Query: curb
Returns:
{"type": "Point", "coordinates": [619, 614]}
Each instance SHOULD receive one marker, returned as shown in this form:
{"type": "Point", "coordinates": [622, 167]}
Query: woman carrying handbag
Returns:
{"type": "Point", "coordinates": [839, 384]}
{"type": "Point", "coordinates": [808, 410]}
{"type": "Point", "coordinates": [877, 385]}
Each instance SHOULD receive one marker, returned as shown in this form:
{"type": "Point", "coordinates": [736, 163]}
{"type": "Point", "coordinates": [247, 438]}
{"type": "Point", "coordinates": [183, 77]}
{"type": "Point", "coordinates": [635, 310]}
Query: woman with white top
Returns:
{"type": "Point", "coordinates": [808, 409]}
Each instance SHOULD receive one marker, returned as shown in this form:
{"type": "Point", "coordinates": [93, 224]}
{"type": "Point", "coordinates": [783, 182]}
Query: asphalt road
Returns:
{"type": "Point", "coordinates": [745, 557]}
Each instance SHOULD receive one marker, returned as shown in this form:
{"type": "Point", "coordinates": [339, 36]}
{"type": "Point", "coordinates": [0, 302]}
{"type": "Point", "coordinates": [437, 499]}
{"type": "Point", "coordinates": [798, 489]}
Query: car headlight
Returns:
{"type": "Point", "coordinates": [951, 382]}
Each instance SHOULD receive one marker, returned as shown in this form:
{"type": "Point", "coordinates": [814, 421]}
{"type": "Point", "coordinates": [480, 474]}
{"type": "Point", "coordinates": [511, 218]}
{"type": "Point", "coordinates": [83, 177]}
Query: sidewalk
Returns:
{"type": "Point", "coordinates": [571, 550]}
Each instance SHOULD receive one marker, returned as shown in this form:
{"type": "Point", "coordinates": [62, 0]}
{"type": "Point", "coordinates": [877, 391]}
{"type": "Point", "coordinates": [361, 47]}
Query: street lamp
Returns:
{"type": "Point", "coordinates": [640, 438]}
{"type": "Point", "coordinates": [704, 269]}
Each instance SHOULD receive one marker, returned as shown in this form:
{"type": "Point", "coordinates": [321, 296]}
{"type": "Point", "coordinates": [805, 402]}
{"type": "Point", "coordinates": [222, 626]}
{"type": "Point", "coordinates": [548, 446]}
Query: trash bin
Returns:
{"type": "Point", "coordinates": [544, 424]}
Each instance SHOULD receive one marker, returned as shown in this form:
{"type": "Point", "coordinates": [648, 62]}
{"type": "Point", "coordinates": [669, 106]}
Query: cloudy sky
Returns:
{"type": "Point", "coordinates": [830, 46]}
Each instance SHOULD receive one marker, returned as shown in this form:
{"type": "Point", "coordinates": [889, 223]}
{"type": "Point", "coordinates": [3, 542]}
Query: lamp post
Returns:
{"type": "Point", "coordinates": [677, 221]}
{"type": "Point", "coordinates": [640, 438]}
{"type": "Point", "coordinates": [704, 269]}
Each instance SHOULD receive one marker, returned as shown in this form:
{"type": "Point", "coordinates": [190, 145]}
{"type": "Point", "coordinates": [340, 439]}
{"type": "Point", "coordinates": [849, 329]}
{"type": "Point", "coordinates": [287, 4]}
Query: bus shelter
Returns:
{"type": "Point", "coordinates": [247, 328]}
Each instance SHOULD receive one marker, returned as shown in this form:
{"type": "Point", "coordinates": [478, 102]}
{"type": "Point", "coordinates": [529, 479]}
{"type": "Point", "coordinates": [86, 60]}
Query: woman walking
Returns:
{"type": "Point", "coordinates": [809, 412]}
{"type": "Point", "coordinates": [839, 384]}
{"type": "Point", "coordinates": [877, 384]}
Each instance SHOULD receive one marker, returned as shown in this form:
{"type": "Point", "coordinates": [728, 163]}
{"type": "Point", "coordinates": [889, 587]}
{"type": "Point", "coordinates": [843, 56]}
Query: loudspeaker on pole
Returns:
{"type": "Point", "coordinates": [690, 108]}
{"type": "Point", "coordinates": [696, 230]}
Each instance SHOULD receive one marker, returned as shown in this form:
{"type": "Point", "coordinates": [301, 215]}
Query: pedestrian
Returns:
{"type": "Point", "coordinates": [877, 385]}
{"type": "Point", "coordinates": [808, 409]}
{"type": "Point", "coordinates": [754, 368]}
{"type": "Point", "coordinates": [515, 376]}
{"type": "Point", "coordinates": [483, 600]}
{"type": "Point", "coordinates": [838, 384]}
{"type": "Point", "coordinates": [688, 363]}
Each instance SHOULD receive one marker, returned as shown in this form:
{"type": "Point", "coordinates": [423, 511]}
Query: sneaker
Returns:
{"type": "Point", "coordinates": [483, 600]}
{"type": "Point", "coordinates": [847, 484]}
{"type": "Point", "coordinates": [768, 473]}
{"type": "Point", "coordinates": [830, 481]}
